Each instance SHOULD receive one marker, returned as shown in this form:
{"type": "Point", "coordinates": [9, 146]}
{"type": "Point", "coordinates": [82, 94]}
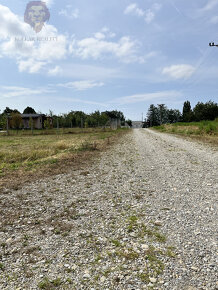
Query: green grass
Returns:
{"type": "Point", "coordinates": [16, 151]}
{"type": "Point", "coordinates": [203, 127]}
{"type": "Point", "coordinates": [204, 130]}
{"type": "Point", "coordinates": [116, 243]}
{"type": "Point", "coordinates": [2, 267]}
{"type": "Point", "coordinates": [47, 284]}
{"type": "Point", "coordinates": [24, 152]}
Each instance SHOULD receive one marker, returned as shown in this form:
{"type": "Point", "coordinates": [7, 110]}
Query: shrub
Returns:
{"type": "Point", "coordinates": [210, 128]}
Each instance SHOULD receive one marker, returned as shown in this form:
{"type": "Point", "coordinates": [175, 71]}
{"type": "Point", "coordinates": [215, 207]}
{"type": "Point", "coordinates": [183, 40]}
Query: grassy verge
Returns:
{"type": "Point", "coordinates": [206, 131]}
{"type": "Point", "coordinates": [24, 156]}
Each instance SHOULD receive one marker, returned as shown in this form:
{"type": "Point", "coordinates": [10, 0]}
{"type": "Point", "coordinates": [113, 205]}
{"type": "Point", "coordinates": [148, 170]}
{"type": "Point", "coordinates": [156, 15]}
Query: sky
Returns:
{"type": "Point", "coordinates": [109, 55]}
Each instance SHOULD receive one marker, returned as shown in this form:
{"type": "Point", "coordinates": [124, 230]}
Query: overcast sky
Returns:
{"type": "Point", "coordinates": [108, 55]}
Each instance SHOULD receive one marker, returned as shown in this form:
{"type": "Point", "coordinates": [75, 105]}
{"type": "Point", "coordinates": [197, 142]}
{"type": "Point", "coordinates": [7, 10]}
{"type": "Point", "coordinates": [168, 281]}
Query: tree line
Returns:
{"type": "Point", "coordinates": [68, 120]}
{"type": "Point", "coordinates": [160, 114]}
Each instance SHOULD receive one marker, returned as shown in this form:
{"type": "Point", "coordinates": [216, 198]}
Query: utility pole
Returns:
{"type": "Point", "coordinates": [213, 44]}
{"type": "Point", "coordinates": [161, 106]}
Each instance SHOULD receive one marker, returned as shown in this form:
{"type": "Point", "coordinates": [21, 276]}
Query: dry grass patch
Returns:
{"type": "Point", "coordinates": [205, 131]}
{"type": "Point", "coordinates": [27, 157]}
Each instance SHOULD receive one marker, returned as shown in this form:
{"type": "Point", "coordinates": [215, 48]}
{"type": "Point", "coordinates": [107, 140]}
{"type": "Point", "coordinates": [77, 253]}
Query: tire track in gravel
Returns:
{"type": "Point", "coordinates": [183, 177]}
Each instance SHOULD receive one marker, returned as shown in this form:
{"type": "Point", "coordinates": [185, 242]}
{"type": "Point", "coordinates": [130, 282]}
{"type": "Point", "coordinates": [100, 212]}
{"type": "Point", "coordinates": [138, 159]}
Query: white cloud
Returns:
{"type": "Point", "coordinates": [209, 5]}
{"type": "Point", "coordinates": [148, 14]}
{"type": "Point", "coordinates": [105, 29]}
{"type": "Point", "coordinates": [134, 10]}
{"type": "Point", "coordinates": [69, 12]}
{"type": "Point", "coordinates": [34, 56]}
{"type": "Point", "coordinates": [106, 32]}
{"type": "Point", "coordinates": [111, 34]}
{"type": "Point", "coordinates": [30, 65]}
{"type": "Point", "coordinates": [55, 71]}
{"type": "Point", "coordinates": [99, 35]}
{"type": "Point", "coordinates": [81, 85]}
{"type": "Point", "coordinates": [31, 56]}
{"type": "Point", "coordinates": [10, 24]}
{"type": "Point", "coordinates": [98, 47]}
{"type": "Point", "coordinates": [124, 49]}
{"type": "Point", "coordinates": [181, 71]}
{"type": "Point", "coordinates": [138, 98]}
{"type": "Point", "coordinates": [49, 3]}
{"type": "Point", "coordinates": [87, 72]}
{"type": "Point", "coordinates": [14, 91]}
{"type": "Point", "coordinates": [156, 6]}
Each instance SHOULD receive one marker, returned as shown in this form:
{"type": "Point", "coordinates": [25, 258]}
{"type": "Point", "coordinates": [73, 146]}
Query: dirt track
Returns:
{"type": "Point", "coordinates": [104, 226]}
{"type": "Point", "coordinates": [184, 177]}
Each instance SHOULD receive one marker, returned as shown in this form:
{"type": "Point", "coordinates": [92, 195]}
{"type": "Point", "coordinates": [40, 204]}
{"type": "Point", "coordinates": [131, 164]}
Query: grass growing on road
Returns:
{"type": "Point", "coordinates": [205, 130]}
{"type": "Point", "coordinates": [27, 154]}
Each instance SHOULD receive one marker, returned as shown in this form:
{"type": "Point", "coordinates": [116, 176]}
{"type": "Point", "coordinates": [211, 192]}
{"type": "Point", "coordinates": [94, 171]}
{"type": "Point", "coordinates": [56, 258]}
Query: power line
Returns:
{"type": "Point", "coordinates": [213, 44]}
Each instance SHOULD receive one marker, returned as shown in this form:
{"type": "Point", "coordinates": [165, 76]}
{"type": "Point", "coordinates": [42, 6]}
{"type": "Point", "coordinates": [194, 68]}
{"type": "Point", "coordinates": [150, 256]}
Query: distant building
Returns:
{"type": "Point", "coordinates": [37, 119]}
{"type": "Point", "coordinates": [137, 124]}
{"type": "Point", "coordinates": [125, 125]}
{"type": "Point", "coordinates": [115, 123]}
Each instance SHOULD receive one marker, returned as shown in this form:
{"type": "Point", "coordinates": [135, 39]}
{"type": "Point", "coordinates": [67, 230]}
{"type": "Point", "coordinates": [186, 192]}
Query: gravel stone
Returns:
{"type": "Point", "coordinates": [104, 225]}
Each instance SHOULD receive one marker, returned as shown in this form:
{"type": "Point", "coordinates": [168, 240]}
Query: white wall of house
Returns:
{"type": "Point", "coordinates": [37, 123]}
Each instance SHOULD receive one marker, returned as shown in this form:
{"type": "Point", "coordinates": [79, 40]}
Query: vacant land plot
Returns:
{"type": "Point", "coordinates": [142, 216]}
{"type": "Point", "coordinates": [23, 156]}
{"type": "Point", "coordinates": [205, 130]}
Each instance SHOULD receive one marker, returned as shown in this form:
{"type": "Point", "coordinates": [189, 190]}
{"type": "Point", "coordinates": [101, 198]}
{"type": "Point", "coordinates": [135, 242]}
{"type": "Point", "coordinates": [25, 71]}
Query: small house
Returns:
{"type": "Point", "coordinates": [36, 119]}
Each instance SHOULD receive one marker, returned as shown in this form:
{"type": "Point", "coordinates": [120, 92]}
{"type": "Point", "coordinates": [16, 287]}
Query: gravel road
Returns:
{"type": "Point", "coordinates": [141, 216]}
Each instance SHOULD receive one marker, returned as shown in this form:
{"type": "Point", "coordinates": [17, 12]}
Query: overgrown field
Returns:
{"type": "Point", "coordinates": [205, 130]}
{"type": "Point", "coordinates": [24, 156]}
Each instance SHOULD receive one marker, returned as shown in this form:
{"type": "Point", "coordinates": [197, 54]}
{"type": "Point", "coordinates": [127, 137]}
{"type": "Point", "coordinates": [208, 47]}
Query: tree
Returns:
{"type": "Point", "coordinates": [3, 121]}
{"type": "Point", "coordinates": [207, 111]}
{"type": "Point", "coordinates": [103, 119]}
{"type": "Point", "coordinates": [97, 119]}
{"type": "Point", "coordinates": [187, 114]}
{"type": "Point", "coordinates": [7, 110]}
{"type": "Point", "coordinates": [50, 114]}
{"type": "Point", "coordinates": [115, 115]}
{"type": "Point", "coordinates": [16, 120]}
{"type": "Point", "coordinates": [211, 109]}
{"type": "Point", "coordinates": [162, 114]}
{"type": "Point", "coordinates": [152, 116]}
{"type": "Point", "coordinates": [29, 110]}
{"type": "Point", "coordinates": [80, 118]}
{"type": "Point", "coordinates": [129, 122]}
{"type": "Point", "coordinates": [47, 124]}
{"type": "Point", "coordinates": [174, 116]}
